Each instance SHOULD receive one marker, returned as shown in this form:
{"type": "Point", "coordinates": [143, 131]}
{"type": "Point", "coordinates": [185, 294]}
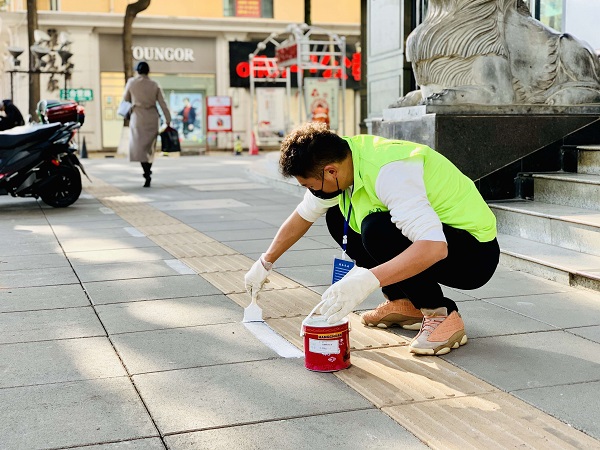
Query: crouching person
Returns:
{"type": "Point", "coordinates": [405, 214]}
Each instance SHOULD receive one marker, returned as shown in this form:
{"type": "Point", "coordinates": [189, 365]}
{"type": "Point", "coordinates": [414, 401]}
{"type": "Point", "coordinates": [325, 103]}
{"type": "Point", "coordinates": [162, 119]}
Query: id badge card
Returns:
{"type": "Point", "coordinates": [341, 266]}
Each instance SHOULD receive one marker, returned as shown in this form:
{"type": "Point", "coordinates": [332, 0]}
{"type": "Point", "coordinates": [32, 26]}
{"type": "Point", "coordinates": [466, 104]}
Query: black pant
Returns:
{"type": "Point", "coordinates": [469, 264]}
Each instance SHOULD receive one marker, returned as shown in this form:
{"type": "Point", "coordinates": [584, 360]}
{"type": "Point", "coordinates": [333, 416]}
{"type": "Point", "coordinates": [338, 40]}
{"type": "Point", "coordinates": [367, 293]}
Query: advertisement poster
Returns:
{"type": "Point", "coordinates": [218, 113]}
{"type": "Point", "coordinates": [321, 98]}
{"type": "Point", "coordinates": [187, 113]}
{"type": "Point", "coordinates": [271, 114]}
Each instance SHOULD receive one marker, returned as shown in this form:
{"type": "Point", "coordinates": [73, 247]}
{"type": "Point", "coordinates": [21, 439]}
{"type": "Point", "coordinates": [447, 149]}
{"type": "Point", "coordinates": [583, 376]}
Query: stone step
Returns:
{"type": "Point", "coordinates": [577, 190]}
{"type": "Point", "coordinates": [588, 160]}
{"type": "Point", "coordinates": [563, 226]}
{"type": "Point", "coordinates": [548, 261]}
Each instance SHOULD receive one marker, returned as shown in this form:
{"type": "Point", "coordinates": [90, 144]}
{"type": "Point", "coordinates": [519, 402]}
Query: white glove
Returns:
{"type": "Point", "coordinates": [345, 295]}
{"type": "Point", "coordinates": [257, 276]}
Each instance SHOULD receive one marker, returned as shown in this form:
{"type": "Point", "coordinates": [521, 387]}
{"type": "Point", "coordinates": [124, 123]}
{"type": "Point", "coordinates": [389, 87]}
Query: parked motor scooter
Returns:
{"type": "Point", "coordinates": [39, 161]}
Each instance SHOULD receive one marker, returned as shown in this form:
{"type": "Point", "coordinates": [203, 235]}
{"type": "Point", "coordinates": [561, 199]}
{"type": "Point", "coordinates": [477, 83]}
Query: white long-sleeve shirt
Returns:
{"type": "Point", "coordinates": [401, 188]}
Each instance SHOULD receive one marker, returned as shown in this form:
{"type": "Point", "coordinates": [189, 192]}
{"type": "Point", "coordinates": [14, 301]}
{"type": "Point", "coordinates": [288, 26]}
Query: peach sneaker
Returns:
{"type": "Point", "coordinates": [391, 313]}
{"type": "Point", "coordinates": [440, 332]}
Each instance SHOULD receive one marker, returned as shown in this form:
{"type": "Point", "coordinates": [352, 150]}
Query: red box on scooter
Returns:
{"type": "Point", "coordinates": [64, 111]}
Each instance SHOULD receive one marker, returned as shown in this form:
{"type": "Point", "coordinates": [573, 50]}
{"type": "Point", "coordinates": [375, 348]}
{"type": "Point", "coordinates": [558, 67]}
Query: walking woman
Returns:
{"type": "Point", "coordinates": [143, 93]}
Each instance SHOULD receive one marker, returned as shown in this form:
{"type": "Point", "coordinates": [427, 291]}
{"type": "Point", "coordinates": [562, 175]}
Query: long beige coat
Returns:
{"type": "Point", "coordinates": [143, 93]}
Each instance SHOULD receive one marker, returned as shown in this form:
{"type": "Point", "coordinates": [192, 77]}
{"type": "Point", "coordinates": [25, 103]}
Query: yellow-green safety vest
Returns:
{"type": "Point", "coordinates": [452, 195]}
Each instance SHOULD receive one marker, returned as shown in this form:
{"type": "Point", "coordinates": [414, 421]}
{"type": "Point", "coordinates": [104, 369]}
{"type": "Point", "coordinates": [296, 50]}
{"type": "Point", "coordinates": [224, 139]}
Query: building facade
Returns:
{"type": "Point", "coordinates": [187, 45]}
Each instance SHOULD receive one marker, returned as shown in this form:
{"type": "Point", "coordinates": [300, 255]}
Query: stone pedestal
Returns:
{"type": "Point", "coordinates": [482, 139]}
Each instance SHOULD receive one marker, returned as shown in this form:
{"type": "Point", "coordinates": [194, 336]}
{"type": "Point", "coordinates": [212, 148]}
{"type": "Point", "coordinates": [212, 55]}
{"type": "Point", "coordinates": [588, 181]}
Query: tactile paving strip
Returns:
{"type": "Point", "coordinates": [442, 405]}
{"type": "Point", "coordinates": [277, 301]}
{"type": "Point", "coordinates": [158, 230]}
{"type": "Point", "coordinates": [489, 421]}
{"type": "Point", "coordinates": [100, 189]}
{"type": "Point", "coordinates": [233, 282]}
{"type": "Point", "coordinates": [145, 219]}
{"type": "Point", "coordinates": [289, 328]}
{"type": "Point", "coordinates": [363, 338]}
{"type": "Point", "coordinates": [224, 263]}
{"type": "Point", "coordinates": [184, 239]}
{"type": "Point", "coordinates": [213, 248]}
{"type": "Point", "coordinates": [392, 376]}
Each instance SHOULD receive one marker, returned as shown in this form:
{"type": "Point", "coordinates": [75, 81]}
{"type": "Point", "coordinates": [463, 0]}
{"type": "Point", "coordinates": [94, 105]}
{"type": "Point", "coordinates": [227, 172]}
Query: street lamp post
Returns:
{"type": "Point", "coordinates": [65, 74]}
{"type": "Point", "coordinates": [45, 53]}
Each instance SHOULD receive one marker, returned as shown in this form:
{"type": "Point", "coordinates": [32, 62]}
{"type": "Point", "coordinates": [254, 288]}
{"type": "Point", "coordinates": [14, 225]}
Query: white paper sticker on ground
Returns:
{"type": "Point", "coordinates": [265, 334]}
{"type": "Point", "coordinates": [180, 267]}
{"type": "Point", "coordinates": [105, 210]}
{"type": "Point", "coordinates": [134, 232]}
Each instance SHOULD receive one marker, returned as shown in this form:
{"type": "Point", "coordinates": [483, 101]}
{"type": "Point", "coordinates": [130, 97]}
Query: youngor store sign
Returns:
{"type": "Point", "coordinates": [239, 66]}
{"type": "Point", "coordinates": [165, 54]}
{"type": "Point", "coordinates": [169, 54]}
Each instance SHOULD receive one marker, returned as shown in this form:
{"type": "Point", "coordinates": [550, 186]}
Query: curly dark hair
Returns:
{"type": "Point", "coordinates": [309, 148]}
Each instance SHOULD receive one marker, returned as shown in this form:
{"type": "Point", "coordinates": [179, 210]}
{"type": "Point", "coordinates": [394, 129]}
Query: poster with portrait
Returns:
{"type": "Point", "coordinates": [187, 115]}
{"type": "Point", "coordinates": [321, 99]}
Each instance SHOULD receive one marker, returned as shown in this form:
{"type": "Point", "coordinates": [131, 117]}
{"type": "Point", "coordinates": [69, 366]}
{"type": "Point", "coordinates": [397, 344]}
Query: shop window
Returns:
{"type": "Point", "coordinates": [550, 12]}
{"type": "Point", "coordinates": [185, 95]}
{"type": "Point", "coordinates": [248, 8]}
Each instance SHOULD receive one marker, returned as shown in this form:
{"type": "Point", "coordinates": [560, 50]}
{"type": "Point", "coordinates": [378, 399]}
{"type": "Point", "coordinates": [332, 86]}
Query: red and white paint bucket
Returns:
{"type": "Point", "coordinates": [326, 346]}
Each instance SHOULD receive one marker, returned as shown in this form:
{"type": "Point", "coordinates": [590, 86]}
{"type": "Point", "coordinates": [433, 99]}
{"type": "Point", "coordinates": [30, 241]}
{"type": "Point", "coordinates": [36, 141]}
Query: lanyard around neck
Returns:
{"type": "Point", "coordinates": [346, 221]}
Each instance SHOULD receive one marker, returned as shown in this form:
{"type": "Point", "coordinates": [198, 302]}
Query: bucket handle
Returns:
{"type": "Point", "coordinates": [309, 315]}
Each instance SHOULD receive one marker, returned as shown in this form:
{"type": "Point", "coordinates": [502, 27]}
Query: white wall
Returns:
{"type": "Point", "coordinates": [581, 20]}
{"type": "Point", "coordinates": [85, 50]}
{"type": "Point", "coordinates": [385, 54]}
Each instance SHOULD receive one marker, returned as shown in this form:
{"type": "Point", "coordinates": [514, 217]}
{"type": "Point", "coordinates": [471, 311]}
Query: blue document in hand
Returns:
{"type": "Point", "coordinates": [340, 268]}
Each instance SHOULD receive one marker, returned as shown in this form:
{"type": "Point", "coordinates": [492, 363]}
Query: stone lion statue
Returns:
{"type": "Point", "coordinates": [493, 52]}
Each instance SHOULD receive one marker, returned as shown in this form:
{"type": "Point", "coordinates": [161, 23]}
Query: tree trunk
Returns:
{"type": "Point", "coordinates": [133, 9]}
{"type": "Point", "coordinates": [34, 78]}
{"type": "Point", "coordinates": [307, 20]}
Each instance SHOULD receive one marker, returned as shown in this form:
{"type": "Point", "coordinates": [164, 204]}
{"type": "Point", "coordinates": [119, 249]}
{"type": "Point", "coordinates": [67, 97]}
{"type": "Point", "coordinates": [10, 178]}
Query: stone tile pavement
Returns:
{"type": "Point", "coordinates": [111, 340]}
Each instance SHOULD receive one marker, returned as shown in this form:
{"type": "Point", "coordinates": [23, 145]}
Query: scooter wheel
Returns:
{"type": "Point", "coordinates": [64, 190]}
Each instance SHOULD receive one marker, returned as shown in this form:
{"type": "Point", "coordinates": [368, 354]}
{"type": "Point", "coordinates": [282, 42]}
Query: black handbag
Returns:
{"type": "Point", "coordinates": [169, 139]}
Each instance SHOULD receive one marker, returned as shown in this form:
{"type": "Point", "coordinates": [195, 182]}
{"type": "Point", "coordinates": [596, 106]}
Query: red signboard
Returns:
{"type": "Point", "coordinates": [284, 54]}
{"type": "Point", "coordinates": [218, 113]}
{"type": "Point", "coordinates": [247, 8]}
{"type": "Point", "coordinates": [239, 66]}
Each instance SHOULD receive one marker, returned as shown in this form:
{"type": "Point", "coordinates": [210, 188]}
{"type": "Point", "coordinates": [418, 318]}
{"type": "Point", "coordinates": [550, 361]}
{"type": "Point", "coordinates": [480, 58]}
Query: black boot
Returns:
{"type": "Point", "coordinates": [147, 172]}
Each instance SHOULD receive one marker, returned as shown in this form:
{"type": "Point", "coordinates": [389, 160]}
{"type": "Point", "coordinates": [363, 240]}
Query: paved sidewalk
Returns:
{"type": "Point", "coordinates": [120, 328]}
